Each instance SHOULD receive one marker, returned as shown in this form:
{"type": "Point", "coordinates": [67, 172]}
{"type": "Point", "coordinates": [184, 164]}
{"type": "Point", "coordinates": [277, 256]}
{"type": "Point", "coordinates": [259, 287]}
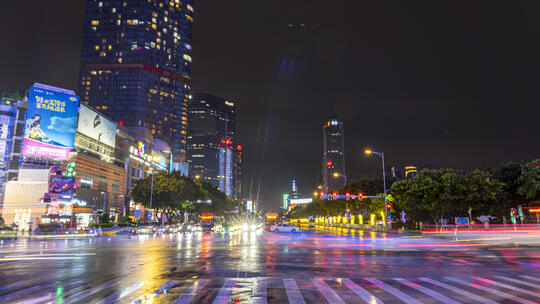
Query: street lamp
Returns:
{"type": "Point", "coordinates": [336, 175]}
{"type": "Point", "coordinates": [381, 154]}
{"type": "Point", "coordinates": [153, 159]}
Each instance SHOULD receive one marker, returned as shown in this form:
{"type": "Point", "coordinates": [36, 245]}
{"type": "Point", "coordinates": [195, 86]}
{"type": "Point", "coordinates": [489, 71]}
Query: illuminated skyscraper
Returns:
{"type": "Point", "coordinates": [136, 65]}
{"type": "Point", "coordinates": [211, 141]}
{"type": "Point", "coordinates": [333, 167]}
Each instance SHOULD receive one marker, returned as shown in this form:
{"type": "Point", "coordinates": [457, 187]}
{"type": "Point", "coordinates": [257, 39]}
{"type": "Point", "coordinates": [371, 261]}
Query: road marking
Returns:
{"type": "Point", "coordinates": [427, 291]}
{"type": "Point", "coordinates": [525, 291]}
{"type": "Point", "coordinates": [10, 286]}
{"type": "Point", "coordinates": [294, 295]}
{"type": "Point", "coordinates": [83, 294]}
{"type": "Point", "coordinates": [25, 291]}
{"type": "Point", "coordinates": [490, 290]}
{"type": "Point", "coordinates": [120, 294]}
{"type": "Point", "coordinates": [530, 278]}
{"type": "Point", "coordinates": [58, 291]}
{"type": "Point", "coordinates": [46, 298]}
{"type": "Point", "coordinates": [396, 293]}
{"type": "Point", "coordinates": [460, 291]}
{"type": "Point", "coordinates": [519, 281]}
{"type": "Point", "coordinates": [361, 292]}
{"type": "Point", "coordinates": [259, 292]}
{"type": "Point", "coordinates": [191, 292]}
{"type": "Point", "coordinates": [327, 292]}
{"type": "Point", "coordinates": [225, 292]}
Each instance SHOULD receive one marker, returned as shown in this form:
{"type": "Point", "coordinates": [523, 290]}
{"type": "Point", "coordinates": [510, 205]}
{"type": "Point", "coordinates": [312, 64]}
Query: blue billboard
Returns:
{"type": "Point", "coordinates": [51, 121]}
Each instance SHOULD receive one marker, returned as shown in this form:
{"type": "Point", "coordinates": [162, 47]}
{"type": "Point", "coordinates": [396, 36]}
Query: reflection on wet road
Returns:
{"type": "Point", "coordinates": [338, 266]}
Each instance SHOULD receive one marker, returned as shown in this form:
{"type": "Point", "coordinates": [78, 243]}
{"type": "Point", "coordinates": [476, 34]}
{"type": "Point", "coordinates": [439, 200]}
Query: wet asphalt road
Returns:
{"type": "Point", "coordinates": [338, 266]}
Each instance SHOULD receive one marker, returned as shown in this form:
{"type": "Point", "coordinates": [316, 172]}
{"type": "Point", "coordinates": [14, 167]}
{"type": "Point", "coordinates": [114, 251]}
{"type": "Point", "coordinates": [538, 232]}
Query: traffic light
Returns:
{"type": "Point", "coordinates": [388, 206]}
{"type": "Point", "coordinates": [513, 211]}
{"type": "Point", "coordinates": [347, 196]}
{"type": "Point", "coordinates": [360, 195]}
{"type": "Point", "coordinates": [70, 168]}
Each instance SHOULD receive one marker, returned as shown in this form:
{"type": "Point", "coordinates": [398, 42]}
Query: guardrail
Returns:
{"type": "Point", "coordinates": [481, 228]}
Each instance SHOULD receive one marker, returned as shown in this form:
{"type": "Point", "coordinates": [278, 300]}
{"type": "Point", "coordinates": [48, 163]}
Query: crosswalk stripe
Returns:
{"type": "Point", "coordinates": [490, 290]}
{"type": "Point", "coordinates": [225, 292]}
{"type": "Point", "coordinates": [294, 295]}
{"type": "Point", "coordinates": [361, 292]}
{"type": "Point", "coordinates": [120, 294]}
{"type": "Point", "coordinates": [396, 293]}
{"type": "Point", "coordinates": [427, 291]}
{"type": "Point", "coordinates": [25, 291]}
{"type": "Point", "coordinates": [519, 281]}
{"type": "Point", "coordinates": [191, 292]}
{"type": "Point", "coordinates": [525, 291]}
{"type": "Point", "coordinates": [45, 296]}
{"type": "Point", "coordinates": [327, 292]}
{"type": "Point", "coordinates": [459, 291]}
{"type": "Point", "coordinates": [530, 278]}
{"type": "Point", "coordinates": [83, 294]}
{"type": "Point", "coordinates": [259, 292]}
{"type": "Point", "coordinates": [10, 286]}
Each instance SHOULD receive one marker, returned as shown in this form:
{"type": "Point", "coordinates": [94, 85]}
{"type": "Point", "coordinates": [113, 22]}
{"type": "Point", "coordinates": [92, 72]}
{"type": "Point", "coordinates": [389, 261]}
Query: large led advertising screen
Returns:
{"type": "Point", "coordinates": [96, 126]}
{"type": "Point", "coordinates": [50, 125]}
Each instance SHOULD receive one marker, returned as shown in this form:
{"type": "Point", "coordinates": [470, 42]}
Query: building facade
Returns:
{"type": "Point", "coordinates": [211, 141]}
{"type": "Point", "coordinates": [136, 65]}
{"type": "Point", "coordinates": [9, 104]}
{"type": "Point", "coordinates": [333, 167]}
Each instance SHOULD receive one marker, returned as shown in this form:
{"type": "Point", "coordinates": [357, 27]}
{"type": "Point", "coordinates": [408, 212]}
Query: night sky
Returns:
{"type": "Point", "coordinates": [444, 83]}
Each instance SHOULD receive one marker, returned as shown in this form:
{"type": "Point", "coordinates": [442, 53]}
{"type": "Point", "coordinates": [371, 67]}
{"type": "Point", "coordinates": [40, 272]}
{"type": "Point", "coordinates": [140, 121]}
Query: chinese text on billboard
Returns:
{"type": "Point", "coordinates": [51, 120]}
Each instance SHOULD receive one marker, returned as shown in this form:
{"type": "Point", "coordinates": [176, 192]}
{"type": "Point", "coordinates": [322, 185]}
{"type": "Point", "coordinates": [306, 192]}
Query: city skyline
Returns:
{"type": "Point", "coordinates": [382, 84]}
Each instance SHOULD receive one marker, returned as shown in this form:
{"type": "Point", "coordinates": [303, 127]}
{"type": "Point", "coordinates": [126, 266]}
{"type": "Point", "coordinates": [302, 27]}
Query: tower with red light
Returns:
{"type": "Point", "coordinates": [333, 169]}
{"type": "Point", "coordinates": [212, 148]}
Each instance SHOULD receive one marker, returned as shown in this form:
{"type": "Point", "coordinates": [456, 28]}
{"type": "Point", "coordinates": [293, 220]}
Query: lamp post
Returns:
{"type": "Point", "coordinates": [381, 154]}
{"type": "Point", "coordinates": [336, 175]}
{"type": "Point", "coordinates": [151, 193]}
{"type": "Point", "coordinates": [154, 158]}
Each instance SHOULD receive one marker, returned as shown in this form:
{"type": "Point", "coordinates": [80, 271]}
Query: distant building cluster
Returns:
{"type": "Point", "coordinates": [133, 115]}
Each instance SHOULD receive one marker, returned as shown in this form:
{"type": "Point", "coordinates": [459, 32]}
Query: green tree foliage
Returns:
{"type": "Point", "coordinates": [340, 207]}
{"type": "Point", "coordinates": [433, 194]}
{"type": "Point", "coordinates": [529, 180]}
{"type": "Point", "coordinates": [521, 183]}
{"type": "Point", "coordinates": [104, 218]}
{"type": "Point", "coordinates": [445, 192]}
{"type": "Point", "coordinates": [174, 194]}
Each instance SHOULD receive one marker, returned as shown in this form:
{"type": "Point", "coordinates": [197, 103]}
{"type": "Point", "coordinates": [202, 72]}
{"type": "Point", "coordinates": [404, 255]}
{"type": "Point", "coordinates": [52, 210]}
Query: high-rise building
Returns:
{"type": "Point", "coordinates": [333, 167]}
{"type": "Point", "coordinates": [9, 110]}
{"type": "Point", "coordinates": [136, 65]}
{"type": "Point", "coordinates": [238, 172]}
{"type": "Point", "coordinates": [211, 141]}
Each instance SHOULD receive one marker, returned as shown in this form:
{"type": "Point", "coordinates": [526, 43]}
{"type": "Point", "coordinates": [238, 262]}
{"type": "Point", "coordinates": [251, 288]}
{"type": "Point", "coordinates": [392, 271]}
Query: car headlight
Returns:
{"type": "Point", "coordinates": [253, 227]}
{"type": "Point", "coordinates": [245, 226]}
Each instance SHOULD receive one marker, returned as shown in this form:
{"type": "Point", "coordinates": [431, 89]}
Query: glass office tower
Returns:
{"type": "Point", "coordinates": [136, 65]}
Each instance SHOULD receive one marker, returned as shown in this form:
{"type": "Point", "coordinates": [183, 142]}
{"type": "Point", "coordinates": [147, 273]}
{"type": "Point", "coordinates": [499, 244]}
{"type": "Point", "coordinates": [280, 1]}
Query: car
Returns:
{"type": "Point", "coordinates": [208, 228]}
{"type": "Point", "coordinates": [7, 233]}
{"type": "Point", "coordinates": [284, 227]}
{"type": "Point", "coordinates": [188, 227]}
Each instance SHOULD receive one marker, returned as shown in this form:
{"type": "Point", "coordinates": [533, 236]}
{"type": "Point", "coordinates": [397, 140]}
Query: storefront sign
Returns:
{"type": "Point", "coordinates": [96, 126]}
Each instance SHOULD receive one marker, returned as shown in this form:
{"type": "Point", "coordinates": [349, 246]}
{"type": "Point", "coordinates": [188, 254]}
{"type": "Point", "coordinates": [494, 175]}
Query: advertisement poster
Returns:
{"type": "Point", "coordinates": [96, 126]}
{"type": "Point", "coordinates": [50, 125]}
